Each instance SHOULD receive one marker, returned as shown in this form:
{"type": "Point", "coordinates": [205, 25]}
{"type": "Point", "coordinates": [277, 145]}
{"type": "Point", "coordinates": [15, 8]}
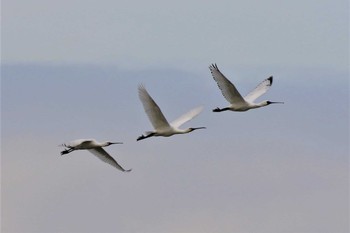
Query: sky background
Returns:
{"type": "Point", "coordinates": [70, 69]}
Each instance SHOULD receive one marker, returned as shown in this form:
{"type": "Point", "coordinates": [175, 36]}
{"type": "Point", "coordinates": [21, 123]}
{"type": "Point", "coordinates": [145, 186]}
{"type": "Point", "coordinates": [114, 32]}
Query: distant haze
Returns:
{"type": "Point", "coordinates": [179, 34]}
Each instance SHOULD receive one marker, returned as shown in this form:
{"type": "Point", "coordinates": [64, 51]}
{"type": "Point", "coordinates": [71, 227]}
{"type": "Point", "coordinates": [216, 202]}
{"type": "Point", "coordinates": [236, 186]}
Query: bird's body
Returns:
{"type": "Point", "coordinates": [241, 107]}
{"type": "Point", "coordinates": [85, 144]}
{"type": "Point", "coordinates": [95, 148]}
{"type": "Point", "coordinates": [159, 122]}
{"type": "Point", "coordinates": [231, 94]}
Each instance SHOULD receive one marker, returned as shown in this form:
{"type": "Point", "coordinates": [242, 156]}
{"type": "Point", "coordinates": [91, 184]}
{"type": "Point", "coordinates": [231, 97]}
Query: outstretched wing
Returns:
{"type": "Point", "coordinates": [152, 110]}
{"type": "Point", "coordinates": [77, 143]}
{"type": "Point", "coordinates": [228, 90]}
{"type": "Point", "coordinates": [186, 117]}
{"type": "Point", "coordinates": [105, 157]}
{"type": "Point", "coordinates": [259, 90]}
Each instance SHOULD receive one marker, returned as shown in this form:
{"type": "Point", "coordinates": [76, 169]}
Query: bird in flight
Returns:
{"type": "Point", "coordinates": [231, 94]}
{"type": "Point", "coordinates": [159, 122]}
{"type": "Point", "coordinates": [95, 148]}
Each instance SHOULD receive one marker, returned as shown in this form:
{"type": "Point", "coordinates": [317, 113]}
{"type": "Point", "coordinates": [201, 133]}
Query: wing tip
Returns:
{"type": "Point", "coordinates": [142, 90]}
{"type": "Point", "coordinates": [270, 79]}
{"type": "Point", "coordinates": [213, 66]}
{"type": "Point", "coordinates": [141, 86]}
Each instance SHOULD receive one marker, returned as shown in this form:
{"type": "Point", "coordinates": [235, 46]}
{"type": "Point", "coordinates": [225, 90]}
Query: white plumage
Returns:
{"type": "Point", "coordinates": [160, 124]}
{"type": "Point", "coordinates": [231, 94]}
{"type": "Point", "coordinates": [95, 148]}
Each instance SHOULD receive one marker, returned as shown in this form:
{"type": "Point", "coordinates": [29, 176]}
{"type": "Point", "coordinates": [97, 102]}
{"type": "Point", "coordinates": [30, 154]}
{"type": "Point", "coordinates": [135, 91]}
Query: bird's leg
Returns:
{"type": "Point", "coordinates": [141, 137]}
{"type": "Point", "coordinates": [144, 137]}
{"type": "Point", "coordinates": [220, 109]}
{"type": "Point", "coordinates": [66, 151]}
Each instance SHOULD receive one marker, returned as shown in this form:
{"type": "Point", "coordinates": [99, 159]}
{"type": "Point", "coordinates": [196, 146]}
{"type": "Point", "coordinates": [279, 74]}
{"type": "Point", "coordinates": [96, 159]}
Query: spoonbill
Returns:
{"type": "Point", "coordinates": [95, 148]}
{"type": "Point", "coordinates": [159, 122]}
{"type": "Point", "coordinates": [231, 94]}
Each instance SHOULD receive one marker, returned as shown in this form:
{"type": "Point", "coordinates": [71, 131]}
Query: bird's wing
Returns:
{"type": "Point", "coordinates": [228, 90]}
{"type": "Point", "coordinates": [77, 142]}
{"type": "Point", "coordinates": [186, 117]}
{"type": "Point", "coordinates": [152, 110]}
{"type": "Point", "coordinates": [259, 90]}
{"type": "Point", "coordinates": [105, 157]}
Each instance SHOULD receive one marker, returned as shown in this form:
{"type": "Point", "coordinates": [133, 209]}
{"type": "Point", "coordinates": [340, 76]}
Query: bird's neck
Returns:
{"type": "Point", "coordinates": [183, 131]}
{"type": "Point", "coordinates": [103, 144]}
{"type": "Point", "coordinates": [188, 130]}
{"type": "Point", "coordinates": [259, 105]}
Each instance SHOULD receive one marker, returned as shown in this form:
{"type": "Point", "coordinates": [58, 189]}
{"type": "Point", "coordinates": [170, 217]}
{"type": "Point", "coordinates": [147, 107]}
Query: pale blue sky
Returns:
{"type": "Point", "coordinates": [70, 69]}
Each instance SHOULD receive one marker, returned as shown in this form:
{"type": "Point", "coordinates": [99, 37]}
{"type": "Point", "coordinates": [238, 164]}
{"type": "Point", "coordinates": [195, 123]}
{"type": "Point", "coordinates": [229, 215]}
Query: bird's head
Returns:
{"type": "Point", "coordinates": [111, 143]}
{"type": "Point", "coordinates": [192, 129]}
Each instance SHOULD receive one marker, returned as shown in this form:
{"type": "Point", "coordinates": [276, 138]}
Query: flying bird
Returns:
{"type": "Point", "coordinates": [231, 94]}
{"type": "Point", "coordinates": [159, 122]}
{"type": "Point", "coordinates": [95, 148]}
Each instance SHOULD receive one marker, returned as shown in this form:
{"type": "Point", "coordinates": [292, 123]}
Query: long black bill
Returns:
{"type": "Point", "coordinates": [199, 128]}
{"type": "Point", "coordinates": [272, 102]}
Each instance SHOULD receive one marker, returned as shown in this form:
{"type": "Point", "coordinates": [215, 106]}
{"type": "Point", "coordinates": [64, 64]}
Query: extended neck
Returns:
{"type": "Point", "coordinates": [192, 129]}
{"type": "Point", "coordinates": [109, 143]}
{"type": "Point", "coordinates": [265, 103]}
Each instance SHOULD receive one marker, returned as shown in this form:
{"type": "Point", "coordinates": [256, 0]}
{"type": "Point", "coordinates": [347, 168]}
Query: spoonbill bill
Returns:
{"type": "Point", "coordinates": [231, 94]}
{"type": "Point", "coordinates": [159, 122]}
{"type": "Point", "coordinates": [95, 148]}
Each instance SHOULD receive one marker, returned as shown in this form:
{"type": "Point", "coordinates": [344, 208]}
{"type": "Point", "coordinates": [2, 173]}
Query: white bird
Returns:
{"type": "Point", "coordinates": [231, 94]}
{"type": "Point", "coordinates": [159, 122]}
{"type": "Point", "coordinates": [95, 148]}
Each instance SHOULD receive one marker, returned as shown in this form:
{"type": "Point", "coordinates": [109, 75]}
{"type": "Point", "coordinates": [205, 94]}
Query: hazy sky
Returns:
{"type": "Point", "coordinates": [70, 69]}
{"type": "Point", "coordinates": [176, 34]}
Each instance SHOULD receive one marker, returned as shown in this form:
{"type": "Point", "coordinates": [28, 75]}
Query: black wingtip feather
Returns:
{"type": "Point", "coordinates": [213, 66]}
{"type": "Point", "coordinates": [270, 79]}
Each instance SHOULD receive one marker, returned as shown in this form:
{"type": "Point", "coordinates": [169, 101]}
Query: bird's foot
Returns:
{"type": "Point", "coordinates": [140, 138]}
{"type": "Point", "coordinates": [217, 110]}
{"type": "Point", "coordinates": [64, 152]}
